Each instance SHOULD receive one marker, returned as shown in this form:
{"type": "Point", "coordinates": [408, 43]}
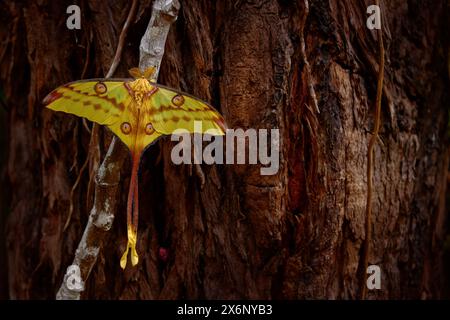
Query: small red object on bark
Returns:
{"type": "Point", "coordinates": [163, 254]}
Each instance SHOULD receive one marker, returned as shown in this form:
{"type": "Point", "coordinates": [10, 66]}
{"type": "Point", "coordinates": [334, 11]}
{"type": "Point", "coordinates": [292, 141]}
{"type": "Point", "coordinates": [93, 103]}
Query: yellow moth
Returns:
{"type": "Point", "coordinates": [138, 111]}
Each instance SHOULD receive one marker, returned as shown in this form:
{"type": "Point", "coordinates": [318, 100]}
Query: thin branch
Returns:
{"type": "Point", "coordinates": [200, 174]}
{"type": "Point", "coordinates": [312, 92]}
{"type": "Point", "coordinates": [93, 159]}
{"type": "Point", "coordinates": [370, 165]}
{"type": "Point", "coordinates": [86, 59]}
{"type": "Point", "coordinates": [100, 221]}
{"type": "Point", "coordinates": [122, 37]}
{"type": "Point", "coordinates": [72, 191]}
{"type": "Point", "coordinates": [108, 176]}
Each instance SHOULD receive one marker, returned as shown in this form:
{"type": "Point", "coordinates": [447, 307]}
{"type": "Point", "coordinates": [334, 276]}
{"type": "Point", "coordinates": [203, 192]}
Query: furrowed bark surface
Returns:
{"type": "Point", "coordinates": [297, 234]}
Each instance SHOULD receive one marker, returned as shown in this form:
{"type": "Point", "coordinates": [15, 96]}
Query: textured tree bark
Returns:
{"type": "Point", "coordinates": [295, 235]}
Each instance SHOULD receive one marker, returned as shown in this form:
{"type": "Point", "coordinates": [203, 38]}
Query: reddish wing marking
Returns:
{"type": "Point", "coordinates": [221, 123]}
{"type": "Point", "coordinates": [151, 92]}
{"type": "Point", "coordinates": [127, 86]}
{"type": "Point", "coordinates": [52, 96]}
{"type": "Point", "coordinates": [113, 101]}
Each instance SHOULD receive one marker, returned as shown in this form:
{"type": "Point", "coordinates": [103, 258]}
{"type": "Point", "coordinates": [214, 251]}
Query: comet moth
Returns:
{"type": "Point", "coordinates": [138, 111]}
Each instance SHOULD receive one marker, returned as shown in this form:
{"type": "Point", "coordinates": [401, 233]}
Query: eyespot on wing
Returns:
{"type": "Point", "coordinates": [100, 87]}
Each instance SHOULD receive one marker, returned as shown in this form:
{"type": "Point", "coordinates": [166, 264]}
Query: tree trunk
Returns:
{"type": "Point", "coordinates": [293, 235]}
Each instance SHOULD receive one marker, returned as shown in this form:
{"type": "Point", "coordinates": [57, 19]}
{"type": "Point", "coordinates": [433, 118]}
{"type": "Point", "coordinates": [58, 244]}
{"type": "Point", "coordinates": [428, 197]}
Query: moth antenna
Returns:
{"type": "Point", "coordinates": [149, 72]}
{"type": "Point", "coordinates": [135, 73]}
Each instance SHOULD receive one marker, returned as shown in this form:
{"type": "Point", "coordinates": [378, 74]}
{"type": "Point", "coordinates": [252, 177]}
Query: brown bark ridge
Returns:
{"type": "Point", "coordinates": [295, 235]}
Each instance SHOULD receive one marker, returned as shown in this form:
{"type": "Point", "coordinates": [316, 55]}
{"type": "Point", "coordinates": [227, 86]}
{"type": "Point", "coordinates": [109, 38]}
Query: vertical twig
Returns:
{"type": "Point", "coordinates": [108, 175]}
{"type": "Point", "coordinates": [312, 92]}
{"type": "Point", "coordinates": [120, 45]}
{"type": "Point", "coordinates": [370, 151]}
